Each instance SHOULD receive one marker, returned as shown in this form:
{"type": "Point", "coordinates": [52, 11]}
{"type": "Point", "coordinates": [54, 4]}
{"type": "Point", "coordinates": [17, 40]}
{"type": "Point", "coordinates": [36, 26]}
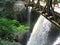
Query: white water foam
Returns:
{"type": "Point", "coordinates": [40, 32]}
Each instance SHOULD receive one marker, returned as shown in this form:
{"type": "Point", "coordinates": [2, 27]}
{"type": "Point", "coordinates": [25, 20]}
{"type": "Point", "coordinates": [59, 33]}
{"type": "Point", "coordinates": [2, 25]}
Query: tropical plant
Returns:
{"type": "Point", "coordinates": [3, 42]}
{"type": "Point", "coordinates": [10, 28]}
{"type": "Point", "coordinates": [7, 28]}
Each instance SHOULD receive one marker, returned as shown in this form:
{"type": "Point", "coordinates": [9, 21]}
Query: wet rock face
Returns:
{"type": "Point", "coordinates": [21, 38]}
{"type": "Point", "coordinates": [57, 41]}
{"type": "Point", "coordinates": [52, 35]}
{"type": "Point", "coordinates": [19, 5]}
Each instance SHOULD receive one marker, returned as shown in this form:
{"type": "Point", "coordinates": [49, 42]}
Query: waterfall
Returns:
{"type": "Point", "coordinates": [29, 20]}
{"type": "Point", "coordinates": [44, 32]}
{"type": "Point", "coordinates": [29, 14]}
{"type": "Point", "coordinates": [40, 32]}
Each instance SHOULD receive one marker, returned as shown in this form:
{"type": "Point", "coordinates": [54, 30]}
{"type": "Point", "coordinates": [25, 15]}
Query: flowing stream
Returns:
{"type": "Point", "coordinates": [40, 32]}
{"type": "Point", "coordinates": [29, 20]}
{"type": "Point", "coordinates": [29, 15]}
{"type": "Point", "coordinates": [44, 32]}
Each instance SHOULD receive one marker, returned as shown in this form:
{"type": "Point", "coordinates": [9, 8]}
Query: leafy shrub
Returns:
{"type": "Point", "coordinates": [2, 42]}
{"type": "Point", "coordinates": [22, 29]}
{"type": "Point", "coordinates": [8, 27]}
{"type": "Point", "coordinates": [58, 1]}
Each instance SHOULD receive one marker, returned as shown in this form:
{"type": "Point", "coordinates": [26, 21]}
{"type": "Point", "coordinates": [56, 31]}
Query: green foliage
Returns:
{"type": "Point", "coordinates": [8, 0]}
{"type": "Point", "coordinates": [10, 28]}
{"type": "Point", "coordinates": [2, 42]}
{"type": "Point", "coordinates": [22, 29]}
{"type": "Point", "coordinates": [6, 8]}
{"type": "Point", "coordinates": [58, 1]}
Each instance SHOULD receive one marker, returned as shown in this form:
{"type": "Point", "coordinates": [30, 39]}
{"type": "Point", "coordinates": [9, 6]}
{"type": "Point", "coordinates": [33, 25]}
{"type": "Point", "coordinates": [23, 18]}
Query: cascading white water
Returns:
{"type": "Point", "coordinates": [29, 20]}
{"type": "Point", "coordinates": [29, 13]}
{"type": "Point", "coordinates": [39, 35]}
{"type": "Point", "coordinates": [40, 32]}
